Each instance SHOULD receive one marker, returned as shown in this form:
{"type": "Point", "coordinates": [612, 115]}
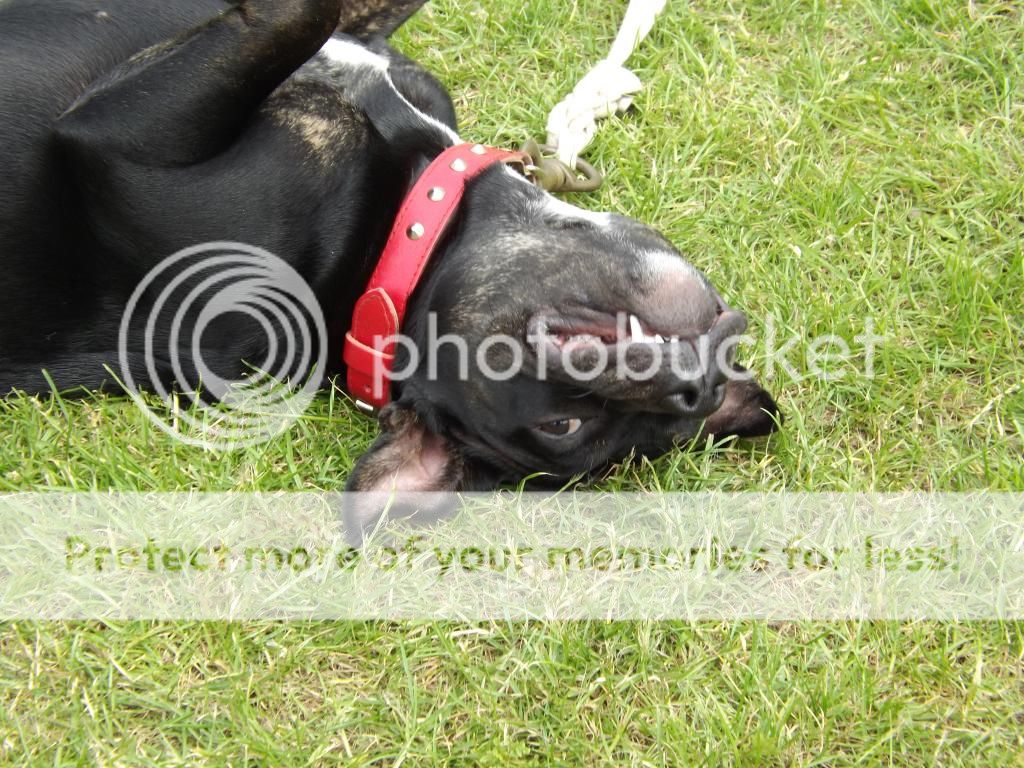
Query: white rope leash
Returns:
{"type": "Point", "coordinates": [605, 90]}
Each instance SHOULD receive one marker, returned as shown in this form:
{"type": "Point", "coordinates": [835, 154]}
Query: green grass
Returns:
{"type": "Point", "coordinates": [824, 163]}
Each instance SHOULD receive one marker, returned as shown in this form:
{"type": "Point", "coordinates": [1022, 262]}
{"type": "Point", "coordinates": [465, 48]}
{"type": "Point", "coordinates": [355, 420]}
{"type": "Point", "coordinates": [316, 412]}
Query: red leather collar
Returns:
{"type": "Point", "coordinates": [422, 220]}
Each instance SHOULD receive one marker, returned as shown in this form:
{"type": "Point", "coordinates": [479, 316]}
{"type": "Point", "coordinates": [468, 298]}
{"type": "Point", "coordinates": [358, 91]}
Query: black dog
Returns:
{"type": "Point", "coordinates": [131, 129]}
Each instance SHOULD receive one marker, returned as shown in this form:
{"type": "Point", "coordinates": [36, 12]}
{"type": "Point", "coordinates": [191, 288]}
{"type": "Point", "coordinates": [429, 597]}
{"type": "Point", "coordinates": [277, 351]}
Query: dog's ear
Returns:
{"type": "Point", "coordinates": [407, 457]}
{"type": "Point", "coordinates": [747, 411]}
{"type": "Point", "coordinates": [367, 19]}
{"type": "Point", "coordinates": [407, 470]}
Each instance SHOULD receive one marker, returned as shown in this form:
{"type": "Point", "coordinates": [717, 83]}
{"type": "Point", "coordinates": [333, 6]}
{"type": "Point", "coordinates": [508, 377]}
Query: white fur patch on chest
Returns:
{"type": "Point", "coordinates": [349, 54]}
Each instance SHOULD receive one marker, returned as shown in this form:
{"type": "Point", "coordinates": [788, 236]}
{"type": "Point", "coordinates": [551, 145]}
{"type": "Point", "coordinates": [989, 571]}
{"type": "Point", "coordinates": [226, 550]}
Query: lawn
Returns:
{"type": "Point", "coordinates": [827, 164]}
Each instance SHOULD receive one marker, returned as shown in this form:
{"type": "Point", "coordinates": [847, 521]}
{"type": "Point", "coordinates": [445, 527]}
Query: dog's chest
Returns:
{"type": "Point", "coordinates": [345, 71]}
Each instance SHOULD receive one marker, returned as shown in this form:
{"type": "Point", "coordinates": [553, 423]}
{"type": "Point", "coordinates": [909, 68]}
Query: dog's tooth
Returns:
{"type": "Point", "coordinates": [635, 331]}
{"type": "Point", "coordinates": [659, 339]}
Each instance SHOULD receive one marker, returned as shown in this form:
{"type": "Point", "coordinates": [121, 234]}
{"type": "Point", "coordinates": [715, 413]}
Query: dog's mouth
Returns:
{"type": "Point", "coordinates": [622, 357]}
{"type": "Point", "coordinates": [586, 329]}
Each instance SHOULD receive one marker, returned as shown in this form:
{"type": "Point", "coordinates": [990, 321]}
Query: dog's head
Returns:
{"type": "Point", "coordinates": [553, 340]}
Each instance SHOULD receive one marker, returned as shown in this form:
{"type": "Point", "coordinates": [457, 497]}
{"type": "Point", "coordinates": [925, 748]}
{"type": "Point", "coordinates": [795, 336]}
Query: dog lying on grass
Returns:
{"type": "Point", "coordinates": [132, 129]}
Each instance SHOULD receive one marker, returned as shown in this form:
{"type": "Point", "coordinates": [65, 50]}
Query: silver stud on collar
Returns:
{"type": "Point", "coordinates": [478, 149]}
{"type": "Point", "coordinates": [458, 164]}
{"type": "Point", "coordinates": [436, 194]}
{"type": "Point", "coordinates": [416, 231]}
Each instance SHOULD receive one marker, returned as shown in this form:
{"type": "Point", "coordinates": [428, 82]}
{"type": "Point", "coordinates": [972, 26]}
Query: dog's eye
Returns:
{"type": "Point", "coordinates": [562, 427]}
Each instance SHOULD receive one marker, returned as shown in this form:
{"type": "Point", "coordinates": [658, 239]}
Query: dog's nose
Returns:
{"type": "Point", "coordinates": [695, 399]}
{"type": "Point", "coordinates": [702, 390]}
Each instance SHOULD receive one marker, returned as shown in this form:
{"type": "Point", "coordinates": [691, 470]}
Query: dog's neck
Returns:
{"type": "Point", "coordinates": [422, 223]}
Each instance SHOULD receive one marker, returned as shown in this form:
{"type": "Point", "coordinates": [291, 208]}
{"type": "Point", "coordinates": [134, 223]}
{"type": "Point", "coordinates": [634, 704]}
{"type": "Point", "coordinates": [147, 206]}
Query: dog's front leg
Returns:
{"type": "Point", "coordinates": [184, 101]}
